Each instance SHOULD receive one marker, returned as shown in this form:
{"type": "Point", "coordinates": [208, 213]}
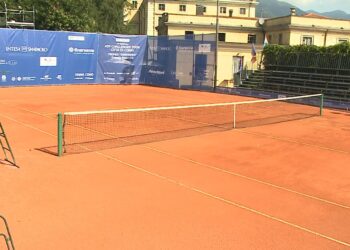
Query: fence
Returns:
{"type": "Point", "coordinates": [47, 57]}
{"type": "Point", "coordinates": [309, 62]}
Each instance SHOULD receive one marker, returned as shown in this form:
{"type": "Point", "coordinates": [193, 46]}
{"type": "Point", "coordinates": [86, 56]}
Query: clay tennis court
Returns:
{"type": "Point", "coordinates": [282, 185]}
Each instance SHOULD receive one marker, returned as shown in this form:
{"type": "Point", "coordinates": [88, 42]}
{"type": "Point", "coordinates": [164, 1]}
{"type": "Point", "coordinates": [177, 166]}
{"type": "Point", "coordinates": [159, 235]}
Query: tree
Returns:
{"type": "Point", "coordinates": [110, 16]}
{"type": "Point", "coordinates": [105, 16]}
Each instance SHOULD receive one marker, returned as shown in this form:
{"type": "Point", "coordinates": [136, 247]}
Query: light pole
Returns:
{"type": "Point", "coordinates": [216, 45]}
{"type": "Point", "coordinates": [5, 14]}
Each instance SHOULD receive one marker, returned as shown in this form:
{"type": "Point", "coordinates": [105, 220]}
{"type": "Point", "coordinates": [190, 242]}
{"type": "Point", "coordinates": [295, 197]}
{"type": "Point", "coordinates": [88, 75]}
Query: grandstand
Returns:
{"type": "Point", "coordinates": [300, 74]}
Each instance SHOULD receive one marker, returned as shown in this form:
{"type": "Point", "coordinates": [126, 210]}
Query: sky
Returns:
{"type": "Point", "coordinates": [321, 5]}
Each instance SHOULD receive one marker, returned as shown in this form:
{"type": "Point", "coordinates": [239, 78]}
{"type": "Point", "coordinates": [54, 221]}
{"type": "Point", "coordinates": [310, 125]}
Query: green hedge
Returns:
{"type": "Point", "coordinates": [306, 55]}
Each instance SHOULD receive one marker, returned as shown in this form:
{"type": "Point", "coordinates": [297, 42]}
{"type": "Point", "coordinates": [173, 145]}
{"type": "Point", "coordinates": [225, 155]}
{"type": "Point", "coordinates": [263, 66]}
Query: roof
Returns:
{"type": "Point", "coordinates": [314, 15]}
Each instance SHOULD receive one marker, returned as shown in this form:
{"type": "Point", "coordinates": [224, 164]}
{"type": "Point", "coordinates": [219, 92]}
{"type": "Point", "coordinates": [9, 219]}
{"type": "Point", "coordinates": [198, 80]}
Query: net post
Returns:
{"type": "Point", "coordinates": [59, 134]}
{"type": "Point", "coordinates": [234, 116]}
{"type": "Point", "coordinates": [321, 104]}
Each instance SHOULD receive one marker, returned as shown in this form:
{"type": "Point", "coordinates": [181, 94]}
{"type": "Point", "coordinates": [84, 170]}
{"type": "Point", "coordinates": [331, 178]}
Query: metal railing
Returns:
{"type": "Point", "coordinates": [7, 237]}
{"type": "Point", "coordinates": [308, 61]}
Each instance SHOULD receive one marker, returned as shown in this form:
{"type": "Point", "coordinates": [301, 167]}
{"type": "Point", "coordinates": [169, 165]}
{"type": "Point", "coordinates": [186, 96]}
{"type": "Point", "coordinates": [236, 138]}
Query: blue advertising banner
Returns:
{"type": "Point", "coordinates": [30, 57]}
{"type": "Point", "coordinates": [121, 58]}
{"type": "Point", "coordinates": [44, 57]}
{"type": "Point", "coordinates": [185, 62]}
{"type": "Point", "coordinates": [80, 54]}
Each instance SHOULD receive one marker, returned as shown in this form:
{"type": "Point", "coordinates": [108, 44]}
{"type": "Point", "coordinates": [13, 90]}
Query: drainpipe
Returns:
{"type": "Point", "coordinates": [325, 38]}
{"type": "Point", "coordinates": [154, 16]}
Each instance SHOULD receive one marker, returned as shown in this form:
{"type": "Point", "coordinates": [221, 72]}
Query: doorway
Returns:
{"type": "Point", "coordinates": [237, 70]}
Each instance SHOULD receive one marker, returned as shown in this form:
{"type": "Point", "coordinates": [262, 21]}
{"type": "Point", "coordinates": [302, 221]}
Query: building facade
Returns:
{"type": "Point", "coordinates": [310, 29]}
{"type": "Point", "coordinates": [239, 28]}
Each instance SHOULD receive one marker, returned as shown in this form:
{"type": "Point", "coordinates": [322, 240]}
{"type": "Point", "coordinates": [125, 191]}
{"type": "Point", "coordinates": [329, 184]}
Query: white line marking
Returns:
{"type": "Point", "coordinates": [224, 200]}
{"type": "Point", "coordinates": [189, 106]}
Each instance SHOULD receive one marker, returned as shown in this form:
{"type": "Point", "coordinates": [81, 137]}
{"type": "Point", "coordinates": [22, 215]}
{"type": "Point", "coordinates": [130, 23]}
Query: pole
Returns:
{"type": "Point", "coordinates": [216, 45]}
{"type": "Point", "coordinates": [5, 14]}
{"type": "Point", "coordinates": [59, 135]}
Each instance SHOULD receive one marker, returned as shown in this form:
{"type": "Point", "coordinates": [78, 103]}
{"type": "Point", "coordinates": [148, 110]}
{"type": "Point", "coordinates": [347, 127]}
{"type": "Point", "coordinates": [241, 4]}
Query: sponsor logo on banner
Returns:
{"type": "Point", "coordinates": [89, 76]}
{"type": "Point", "coordinates": [76, 38]}
{"type": "Point", "coordinates": [281, 96]}
{"type": "Point", "coordinates": [156, 72]}
{"type": "Point", "coordinates": [28, 78]}
{"type": "Point", "coordinates": [26, 49]}
{"type": "Point", "coordinates": [3, 78]}
{"type": "Point", "coordinates": [48, 61]}
{"type": "Point", "coordinates": [119, 60]}
{"type": "Point", "coordinates": [78, 76]}
{"type": "Point", "coordinates": [122, 40]}
{"type": "Point", "coordinates": [59, 77]}
{"type": "Point", "coordinates": [204, 48]}
{"type": "Point", "coordinates": [13, 79]}
{"type": "Point", "coordinates": [184, 48]}
{"type": "Point", "coordinates": [19, 79]}
{"type": "Point", "coordinates": [79, 51]}
{"type": "Point", "coordinates": [10, 62]}
{"type": "Point", "coordinates": [109, 78]}
{"type": "Point", "coordinates": [86, 76]}
{"type": "Point", "coordinates": [46, 78]}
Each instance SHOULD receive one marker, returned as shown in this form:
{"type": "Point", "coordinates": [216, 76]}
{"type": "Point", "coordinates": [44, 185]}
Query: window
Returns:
{"type": "Point", "coordinates": [222, 37]}
{"type": "Point", "coordinates": [307, 40]}
{"type": "Point", "coordinates": [182, 7]}
{"type": "Point", "coordinates": [134, 4]}
{"type": "Point", "coordinates": [223, 10]}
{"type": "Point", "coordinates": [343, 40]}
{"type": "Point", "coordinates": [161, 6]}
{"type": "Point", "coordinates": [280, 38]}
{"type": "Point", "coordinates": [252, 38]}
{"type": "Point", "coordinates": [242, 11]}
{"type": "Point", "coordinates": [189, 34]}
{"type": "Point", "coordinates": [230, 13]}
{"type": "Point", "coordinates": [200, 9]}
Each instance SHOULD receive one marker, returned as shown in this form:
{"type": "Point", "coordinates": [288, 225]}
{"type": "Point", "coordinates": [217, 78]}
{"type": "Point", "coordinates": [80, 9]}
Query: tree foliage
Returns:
{"type": "Point", "coordinates": [106, 16]}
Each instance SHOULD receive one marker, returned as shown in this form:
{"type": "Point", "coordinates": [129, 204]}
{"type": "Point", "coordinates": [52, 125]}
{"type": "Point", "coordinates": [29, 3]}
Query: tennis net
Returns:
{"type": "Point", "coordinates": [96, 130]}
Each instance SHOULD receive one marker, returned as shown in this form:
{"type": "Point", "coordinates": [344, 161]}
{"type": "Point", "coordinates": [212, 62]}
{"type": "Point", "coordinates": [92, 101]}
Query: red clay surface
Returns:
{"type": "Point", "coordinates": [279, 186]}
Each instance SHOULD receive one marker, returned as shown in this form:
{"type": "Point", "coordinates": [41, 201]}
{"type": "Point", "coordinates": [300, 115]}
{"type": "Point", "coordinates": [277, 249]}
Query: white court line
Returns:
{"type": "Point", "coordinates": [190, 106]}
{"type": "Point", "coordinates": [181, 184]}
{"type": "Point", "coordinates": [246, 177]}
{"type": "Point", "coordinates": [217, 168]}
{"type": "Point", "coordinates": [205, 193]}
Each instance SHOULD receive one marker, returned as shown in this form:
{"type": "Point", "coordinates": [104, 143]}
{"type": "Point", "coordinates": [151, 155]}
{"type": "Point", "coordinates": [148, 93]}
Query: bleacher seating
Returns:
{"type": "Point", "coordinates": [334, 87]}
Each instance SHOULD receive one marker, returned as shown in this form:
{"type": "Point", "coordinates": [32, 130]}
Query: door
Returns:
{"type": "Point", "coordinates": [237, 70]}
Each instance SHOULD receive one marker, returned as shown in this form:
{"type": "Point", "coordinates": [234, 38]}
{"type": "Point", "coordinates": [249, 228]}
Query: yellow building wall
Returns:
{"type": "Point", "coordinates": [223, 21]}
{"type": "Point", "coordinates": [277, 21]}
{"type": "Point", "coordinates": [172, 7]}
{"type": "Point", "coordinates": [275, 37]}
{"type": "Point", "coordinates": [225, 64]}
{"type": "Point", "coordinates": [317, 22]}
{"type": "Point", "coordinates": [294, 28]}
{"type": "Point", "coordinates": [296, 37]}
{"type": "Point", "coordinates": [231, 36]}
{"type": "Point", "coordinates": [333, 39]}
{"type": "Point", "coordinates": [151, 19]}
